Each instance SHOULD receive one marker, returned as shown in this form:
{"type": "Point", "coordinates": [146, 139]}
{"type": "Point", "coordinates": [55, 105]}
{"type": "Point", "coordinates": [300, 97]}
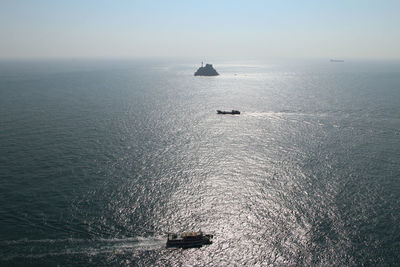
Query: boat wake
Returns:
{"type": "Point", "coordinates": [26, 248]}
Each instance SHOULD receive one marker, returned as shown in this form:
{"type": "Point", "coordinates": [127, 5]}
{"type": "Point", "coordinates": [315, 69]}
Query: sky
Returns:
{"type": "Point", "coordinates": [202, 28]}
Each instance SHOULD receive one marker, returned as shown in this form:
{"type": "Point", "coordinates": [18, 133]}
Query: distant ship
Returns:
{"type": "Point", "coordinates": [233, 112]}
{"type": "Point", "coordinates": [207, 70]}
{"type": "Point", "coordinates": [188, 240]}
{"type": "Point", "coordinates": [337, 60]}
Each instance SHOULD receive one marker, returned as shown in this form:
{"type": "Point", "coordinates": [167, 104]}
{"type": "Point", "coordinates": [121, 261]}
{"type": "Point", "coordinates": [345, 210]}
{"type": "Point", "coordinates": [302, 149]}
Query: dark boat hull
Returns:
{"type": "Point", "coordinates": [188, 241]}
{"type": "Point", "coordinates": [186, 244]}
{"type": "Point", "coordinates": [233, 112]}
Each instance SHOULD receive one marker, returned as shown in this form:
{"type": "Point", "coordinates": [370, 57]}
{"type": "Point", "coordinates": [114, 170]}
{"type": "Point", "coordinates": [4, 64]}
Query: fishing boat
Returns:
{"type": "Point", "coordinates": [188, 239]}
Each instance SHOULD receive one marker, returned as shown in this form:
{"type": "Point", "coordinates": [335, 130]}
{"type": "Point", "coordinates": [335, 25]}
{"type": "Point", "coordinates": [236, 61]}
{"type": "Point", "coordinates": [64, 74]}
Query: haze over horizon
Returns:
{"type": "Point", "coordinates": [230, 29]}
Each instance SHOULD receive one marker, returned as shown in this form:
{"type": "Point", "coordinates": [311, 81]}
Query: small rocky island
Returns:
{"type": "Point", "coordinates": [207, 70]}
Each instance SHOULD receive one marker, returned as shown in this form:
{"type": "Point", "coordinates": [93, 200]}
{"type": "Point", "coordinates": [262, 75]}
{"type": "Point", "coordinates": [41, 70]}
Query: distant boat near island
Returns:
{"type": "Point", "coordinates": [336, 60]}
{"type": "Point", "coordinates": [207, 70]}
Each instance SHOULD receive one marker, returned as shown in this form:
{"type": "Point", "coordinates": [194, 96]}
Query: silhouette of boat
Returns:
{"type": "Point", "coordinates": [188, 240]}
{"type": "Point", "coordinates": [233, 112]}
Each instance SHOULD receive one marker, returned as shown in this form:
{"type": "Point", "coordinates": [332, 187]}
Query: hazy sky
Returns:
{"type": "Point", "coordinates": [200, 28]}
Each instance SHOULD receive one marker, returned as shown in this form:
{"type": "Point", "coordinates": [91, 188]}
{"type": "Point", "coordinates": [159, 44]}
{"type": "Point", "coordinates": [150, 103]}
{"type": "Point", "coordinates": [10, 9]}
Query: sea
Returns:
{"type": "Point", "coordinates": [100, 159]}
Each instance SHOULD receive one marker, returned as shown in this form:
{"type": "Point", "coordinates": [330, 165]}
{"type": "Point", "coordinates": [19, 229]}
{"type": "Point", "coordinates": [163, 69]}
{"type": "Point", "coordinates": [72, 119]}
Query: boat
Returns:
{"type": "Point", "coordinates": [233, 112]}
{"type": "Point", "coordinates": [188, 240]}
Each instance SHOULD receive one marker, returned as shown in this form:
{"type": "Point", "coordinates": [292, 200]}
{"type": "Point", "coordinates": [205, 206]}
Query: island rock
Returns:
{"type": "Point", "coordinates": [207, 70]}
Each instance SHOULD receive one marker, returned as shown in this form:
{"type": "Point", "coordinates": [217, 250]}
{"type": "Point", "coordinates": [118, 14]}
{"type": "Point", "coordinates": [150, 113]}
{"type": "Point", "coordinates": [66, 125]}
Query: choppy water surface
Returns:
{"type": "Point", "coordinates": [99, 159]}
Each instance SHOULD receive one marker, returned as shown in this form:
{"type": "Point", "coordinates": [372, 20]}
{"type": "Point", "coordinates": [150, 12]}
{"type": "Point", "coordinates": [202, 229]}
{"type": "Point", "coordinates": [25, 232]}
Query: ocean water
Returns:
{"type": "Point", "coordinates": [99, 159]}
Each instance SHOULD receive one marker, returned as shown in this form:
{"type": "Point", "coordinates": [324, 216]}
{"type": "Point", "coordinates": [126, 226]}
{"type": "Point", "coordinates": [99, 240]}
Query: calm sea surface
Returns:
{"type": "Point", "coordinates": [99, 159]}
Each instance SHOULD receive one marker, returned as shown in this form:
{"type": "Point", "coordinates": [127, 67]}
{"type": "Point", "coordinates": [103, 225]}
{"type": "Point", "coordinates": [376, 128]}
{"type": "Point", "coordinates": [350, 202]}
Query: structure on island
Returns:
{"type": "Point", "coordinates": [207, 70]}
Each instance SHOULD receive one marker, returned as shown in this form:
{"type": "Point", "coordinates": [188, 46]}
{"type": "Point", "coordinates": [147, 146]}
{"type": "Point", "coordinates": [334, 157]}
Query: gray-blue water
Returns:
{"type": "Point", "coordinates": [98, 159]}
